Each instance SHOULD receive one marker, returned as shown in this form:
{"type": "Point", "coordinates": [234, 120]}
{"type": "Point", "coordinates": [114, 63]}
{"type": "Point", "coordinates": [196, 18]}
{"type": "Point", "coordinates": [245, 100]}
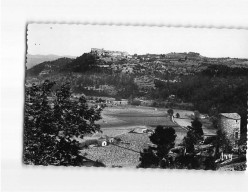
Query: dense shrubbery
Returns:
{"type": "Point", "coordinates": [55, 65]}
{"type": "Point", "coordinates": [123, 84]}
{"type": "Point", "coordinates": [52, 121]}
{"type": "Point", "coordinates": [223, 70]}
{"type": "Point", "coordinates": [187, 155]}
{"type": "Point", "coordinates": [82, 63]}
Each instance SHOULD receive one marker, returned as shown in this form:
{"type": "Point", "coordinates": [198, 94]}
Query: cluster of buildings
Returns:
{"type": "Point", "coordinates": [109, 101]}
{"type": "Point", "coordinates": [107, 53]}
{"type": "Point", "coordinates": [173, 63]}
{"type": "Point", "coordinates": [102, 88]}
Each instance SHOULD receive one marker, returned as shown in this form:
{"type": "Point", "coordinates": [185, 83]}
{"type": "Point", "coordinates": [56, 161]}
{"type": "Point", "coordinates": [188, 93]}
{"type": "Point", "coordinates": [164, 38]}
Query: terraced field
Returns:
{"type": "Point", "coordinates": [125, 154]}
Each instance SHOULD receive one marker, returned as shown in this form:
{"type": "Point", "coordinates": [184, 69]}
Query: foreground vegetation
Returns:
{"type": "Point", "coordinates": [51, 123]}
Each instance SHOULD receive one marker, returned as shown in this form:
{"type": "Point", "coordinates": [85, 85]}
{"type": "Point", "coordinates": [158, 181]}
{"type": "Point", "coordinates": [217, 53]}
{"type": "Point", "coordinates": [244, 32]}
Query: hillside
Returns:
{"type": "Point", "coordinates": [48, 67]}
{"type": "Point", "coordinates": [32, 60]}
{"type": "Point", "coordinates": [103, 72]}
{"type": "Point", "coordinates": [82, 63]}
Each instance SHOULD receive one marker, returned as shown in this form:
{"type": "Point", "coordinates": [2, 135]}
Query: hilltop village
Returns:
{"type": "Point", "coordinates": [146, 70]}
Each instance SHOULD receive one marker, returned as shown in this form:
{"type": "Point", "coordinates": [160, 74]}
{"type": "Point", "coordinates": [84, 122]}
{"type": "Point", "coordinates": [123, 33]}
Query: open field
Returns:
{"type": "Point", "coordinates": [132, 115]}
{"type": "Point", "coordinates": [118, 122]}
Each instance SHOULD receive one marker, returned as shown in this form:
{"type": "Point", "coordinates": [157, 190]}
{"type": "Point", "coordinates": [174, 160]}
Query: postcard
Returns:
{"type": "Point", "coordinates": [136, 96]}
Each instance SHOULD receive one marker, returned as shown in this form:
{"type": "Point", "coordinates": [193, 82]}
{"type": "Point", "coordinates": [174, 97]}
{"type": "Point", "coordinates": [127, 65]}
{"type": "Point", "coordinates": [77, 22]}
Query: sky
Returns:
{"type": "Point", "coordinates": [74, 40]}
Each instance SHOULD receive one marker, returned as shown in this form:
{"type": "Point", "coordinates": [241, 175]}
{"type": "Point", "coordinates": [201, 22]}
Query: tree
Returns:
{"type": "Point", "coordinates": [196, 127]}
{"type": "Point", "coordinates": [210, 164]}
{"type": "Point", "coordinates": [51, 123]}
{"type": "Point", "coordinates": [197, 114]}
{"type": "Point", "coordinates": [194, 135]}
{"type": "Point", "coordinates": [191, 160]}
{"type": "Point", "coordinates": [189, 141]}
{"type": "Point", "coordinates": [222, 143]}
{"type": "Point", "coordinates": [170, 112]}
{"type": "Point", "coordinates": [164, 139]}
{"type": "Point", "coordinates": [148, 159]}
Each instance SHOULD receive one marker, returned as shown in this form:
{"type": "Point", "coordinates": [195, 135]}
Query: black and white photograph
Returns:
{"type": "Point", "coordinates": [135, 96]}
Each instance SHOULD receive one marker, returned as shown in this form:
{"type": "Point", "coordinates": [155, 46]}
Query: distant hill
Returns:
{"type": "Point", "coordinates": [33, 60]}
{"type": "Point", "coordinates": [48, 67]}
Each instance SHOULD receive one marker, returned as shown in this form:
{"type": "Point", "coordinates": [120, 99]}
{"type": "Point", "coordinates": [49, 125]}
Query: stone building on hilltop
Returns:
{"type": "Point", "coordinates": [230, 124]}
{"type": "Point", "coordinates": [107, 53]}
